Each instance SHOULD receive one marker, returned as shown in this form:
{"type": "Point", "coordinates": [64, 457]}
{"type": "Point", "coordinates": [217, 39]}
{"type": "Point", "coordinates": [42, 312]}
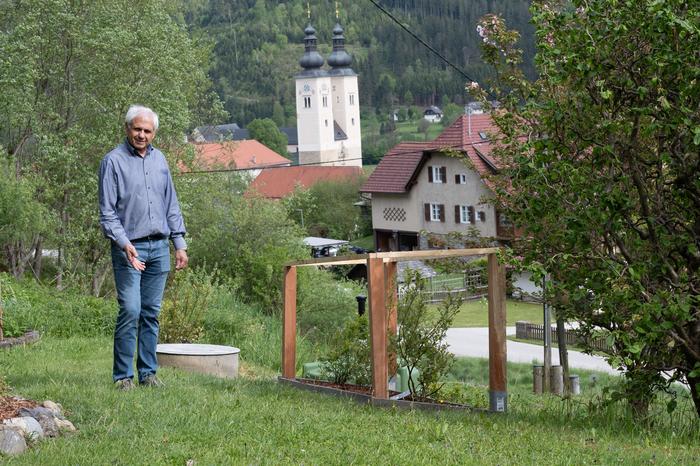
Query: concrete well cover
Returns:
{"type": "Point", "coordinates": [221, 361]}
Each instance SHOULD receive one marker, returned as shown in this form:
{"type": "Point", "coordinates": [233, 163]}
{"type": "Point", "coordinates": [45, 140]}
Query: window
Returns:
{"type": "Point", "coordinates": [434, 212]}
{"type": "Point", "coordinates": [307, 102]}
{"type": "Point", "coordinates": [352, 99]}
{"type": "Point", "coordinates": [337, 99]}
{"type": "Point", "coordinates": [437, 174]}
{"type": "Point", "coordinates": [482, 216]}
{"type": "Point", "coordinates": [464, 214]}
{"type": "Point", "coordinates": [326, 123]}
{"type": "Point", "coordinates": [461, 178]}
{"type": "Point", "coordinates": [353, 121]}
{"type": "Point", "coordinates": [325, 101]}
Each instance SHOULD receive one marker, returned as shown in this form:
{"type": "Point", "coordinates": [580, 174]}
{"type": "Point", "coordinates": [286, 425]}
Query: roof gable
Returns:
{"type": "Point", "coordinates": [402, 164]}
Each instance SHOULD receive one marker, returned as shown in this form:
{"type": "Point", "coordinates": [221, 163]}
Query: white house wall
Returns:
{"type": "Point", "coordinates": [387, 208]}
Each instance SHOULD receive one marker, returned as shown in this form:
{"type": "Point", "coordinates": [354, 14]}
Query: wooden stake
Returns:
{"type": "Point", "coordinates": [377, 326]}
{"type": "Point", "coordinates": [498, 395]}
{"type": "Point", "coordinates": [289, 323]}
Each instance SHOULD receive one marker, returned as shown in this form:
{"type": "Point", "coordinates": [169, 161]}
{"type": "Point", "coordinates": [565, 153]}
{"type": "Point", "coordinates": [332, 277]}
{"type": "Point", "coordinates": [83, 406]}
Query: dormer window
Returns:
{"type": "Point", "coordinates": [483, 136]}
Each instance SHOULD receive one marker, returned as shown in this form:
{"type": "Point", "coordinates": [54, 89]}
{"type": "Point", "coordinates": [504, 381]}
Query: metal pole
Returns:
{"type": "Point", "coordinates": [547, 338]}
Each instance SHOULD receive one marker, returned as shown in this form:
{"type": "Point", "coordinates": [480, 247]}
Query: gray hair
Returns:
{"type": "Point", "coordinates": [136, 110]}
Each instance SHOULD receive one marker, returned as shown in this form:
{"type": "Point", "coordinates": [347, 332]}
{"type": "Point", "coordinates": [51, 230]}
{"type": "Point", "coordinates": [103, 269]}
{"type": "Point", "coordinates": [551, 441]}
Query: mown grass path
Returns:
{"type": "Point", "coordinates": [256, 421]}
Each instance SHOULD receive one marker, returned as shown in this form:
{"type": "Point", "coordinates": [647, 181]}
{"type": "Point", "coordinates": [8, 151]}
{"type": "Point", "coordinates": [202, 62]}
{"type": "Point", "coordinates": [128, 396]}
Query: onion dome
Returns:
{"type": "Point", "coordinates": [311, 58]}
{"type": "Point", "coordinates": [339, 58]}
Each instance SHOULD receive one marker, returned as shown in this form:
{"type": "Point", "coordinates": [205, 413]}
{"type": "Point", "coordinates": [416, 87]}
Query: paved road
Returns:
{"type": "Point", "coordinates": [474, 342]}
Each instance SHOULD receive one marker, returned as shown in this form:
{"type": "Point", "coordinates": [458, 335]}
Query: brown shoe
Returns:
{"type": "Point", "coordinates": [151, 381]}
{"type": "Point", "coordinates": [124, 384]}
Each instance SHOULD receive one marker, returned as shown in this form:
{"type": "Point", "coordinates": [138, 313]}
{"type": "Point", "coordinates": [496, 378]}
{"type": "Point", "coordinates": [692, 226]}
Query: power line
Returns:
{"type": "Point", "coordinates": [271, 167]}
{"type": "Point", "coordinates": [425, 44]}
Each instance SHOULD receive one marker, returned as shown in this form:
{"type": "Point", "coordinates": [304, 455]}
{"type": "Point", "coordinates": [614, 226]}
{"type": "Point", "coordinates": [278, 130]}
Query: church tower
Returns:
{"type": "Point", "coordinates": [328, 110]}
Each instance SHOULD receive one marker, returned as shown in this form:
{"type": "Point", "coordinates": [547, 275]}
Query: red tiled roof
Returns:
{"type": "Point", "coordinates": [466, 130]}
{"type": "Point", "coordinates": [399, 166]}
{"type": "Point", "coordinates": [396, 168]}
{"type": "Point", "coordinates": [276, 183]}
{"type": "Point", "coordinates": [247, 153]}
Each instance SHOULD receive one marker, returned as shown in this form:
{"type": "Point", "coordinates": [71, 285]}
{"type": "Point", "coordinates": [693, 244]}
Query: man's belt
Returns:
{"type": "Point", "coordinates": [156, 237]}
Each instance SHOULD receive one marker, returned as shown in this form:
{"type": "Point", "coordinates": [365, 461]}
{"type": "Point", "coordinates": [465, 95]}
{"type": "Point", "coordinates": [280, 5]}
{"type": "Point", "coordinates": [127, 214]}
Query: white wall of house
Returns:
{"type": "Point", "coordinates": [406, 212]}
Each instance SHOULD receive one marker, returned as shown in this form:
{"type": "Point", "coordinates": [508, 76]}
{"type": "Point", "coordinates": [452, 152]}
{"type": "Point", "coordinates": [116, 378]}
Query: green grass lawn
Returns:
{"type": "Point", "coordinates": [254, 420]}
{"type": "Point", "coordinates": [474, 313]}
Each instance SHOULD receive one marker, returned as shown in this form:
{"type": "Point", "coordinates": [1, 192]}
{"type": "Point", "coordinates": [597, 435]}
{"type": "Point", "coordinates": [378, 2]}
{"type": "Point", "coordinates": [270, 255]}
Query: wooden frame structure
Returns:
{"type": "Point", "coordinates": [381, 274]}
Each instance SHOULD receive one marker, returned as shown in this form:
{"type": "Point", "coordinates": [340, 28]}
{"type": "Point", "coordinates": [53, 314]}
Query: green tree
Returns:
{"type": "Point", "coordinates": [266, 132]}
{"type": "Point", "coordinates": [278, 114]}
{"type": "Point", "coordinates": [69, 72]}
{"type": "Point", "coordinates": [336, 214]}
{"type": "Point", "coordinates": [606, 186]}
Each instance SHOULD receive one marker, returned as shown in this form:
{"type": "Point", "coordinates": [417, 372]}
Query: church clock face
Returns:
{"type": "Point", "coordinates": [324, 89]}
{"type": "Point", "coordinates": [307, 88]}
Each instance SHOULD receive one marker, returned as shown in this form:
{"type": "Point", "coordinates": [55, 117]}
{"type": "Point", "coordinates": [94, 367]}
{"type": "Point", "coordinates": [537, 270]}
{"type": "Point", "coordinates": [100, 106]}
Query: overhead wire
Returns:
{"type": "Point", "coordinates": [425, 44]}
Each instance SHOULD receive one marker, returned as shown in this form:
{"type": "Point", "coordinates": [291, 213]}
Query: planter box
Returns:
{"type": "Point", "coordinates": [366, 398]}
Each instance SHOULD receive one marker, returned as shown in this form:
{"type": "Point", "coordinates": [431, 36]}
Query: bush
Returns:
{"type": "Point", "coordinates": [349, 358]}
{"type": "Point", "coordinates": [230, 321]}
{"type": "Point", "coordinates": [324, 303]}
{"type": "Point", "coordinates": [420, 341]}
{"type": "Point", "coordinates": [186, 300]}
{"type": "Point", "coordinates": [67, 313]}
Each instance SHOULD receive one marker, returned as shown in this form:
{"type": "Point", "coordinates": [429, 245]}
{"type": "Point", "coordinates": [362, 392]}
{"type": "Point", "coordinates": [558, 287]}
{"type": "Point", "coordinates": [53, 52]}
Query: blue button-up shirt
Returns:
{"type": "Point", "coordinates": [137, 197]}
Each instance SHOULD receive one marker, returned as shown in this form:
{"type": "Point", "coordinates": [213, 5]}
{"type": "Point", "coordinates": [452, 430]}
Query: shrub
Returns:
{"type": "Point", "coordinates": [420, 340]}
{"type": "Point", "coordinates": [186, 300]}
{"type": "Point", "coordinates": [28, 305]}
{"type": "Point", "coordinates": [349, 358]}
{"type": "Point", "coordinates": [324, 303]}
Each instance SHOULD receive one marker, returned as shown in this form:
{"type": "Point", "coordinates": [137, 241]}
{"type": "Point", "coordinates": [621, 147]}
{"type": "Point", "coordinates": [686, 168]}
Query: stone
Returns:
{"type": "Point", "coordinates": [11, 440]}
{"type": "Point", "coordinates": [45, 418]}
{"type": "Point", "coordinates": [30, 427]}
{"type": "Point", "coordinates": [55, 408]}
{"type": "Point", "coordinates": [65, 425]}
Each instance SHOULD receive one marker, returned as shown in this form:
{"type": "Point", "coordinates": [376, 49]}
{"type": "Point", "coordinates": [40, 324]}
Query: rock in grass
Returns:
{"type": "Point", "coordinates": [29, 426]}
{"type": "Point", "coordinates": [45, 418]}
{"type": "Point", "coordinates": [55, 408]}
{"type": "Point", "coordinates": [11, 440]}
{"type": "Point", "coordinates": [65, 425]}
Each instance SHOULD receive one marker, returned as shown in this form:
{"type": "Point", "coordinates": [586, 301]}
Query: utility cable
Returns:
{"type": "Point", "coordinates": [425, 44]}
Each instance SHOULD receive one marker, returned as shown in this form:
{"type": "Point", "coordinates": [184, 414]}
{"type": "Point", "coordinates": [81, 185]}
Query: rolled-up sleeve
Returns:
{"type": "Point", "coordinates": [108, 196]}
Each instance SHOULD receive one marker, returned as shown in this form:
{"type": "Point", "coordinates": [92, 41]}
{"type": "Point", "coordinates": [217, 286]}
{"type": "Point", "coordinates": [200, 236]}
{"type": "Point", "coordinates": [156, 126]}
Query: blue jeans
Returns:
{"type": "Point", "coordinates": [139, 295]}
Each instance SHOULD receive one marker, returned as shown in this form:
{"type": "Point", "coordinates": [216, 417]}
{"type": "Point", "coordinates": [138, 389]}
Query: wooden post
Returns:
{"type": "Point", "coordinates": [377, 326]}
{"type": "Point", "coordinates": [498, 395]}
{"type": "Point", "coordinates": [392, 297]}
{"type": "Point", "coordinates": [289, 323]}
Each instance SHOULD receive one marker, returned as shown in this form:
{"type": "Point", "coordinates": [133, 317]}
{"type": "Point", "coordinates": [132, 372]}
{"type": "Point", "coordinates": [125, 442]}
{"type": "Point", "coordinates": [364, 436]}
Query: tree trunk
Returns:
{"type": "Point", "coordinates": [694, 383]}
{"type": "Point", "coordinates": [38, 258]}
{"type": "Point", "coordinates": [563, 353]}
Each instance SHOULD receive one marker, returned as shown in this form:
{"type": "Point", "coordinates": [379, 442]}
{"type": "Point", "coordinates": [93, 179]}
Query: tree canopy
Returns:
{"type": "Point", "coordinates": [601, 162]}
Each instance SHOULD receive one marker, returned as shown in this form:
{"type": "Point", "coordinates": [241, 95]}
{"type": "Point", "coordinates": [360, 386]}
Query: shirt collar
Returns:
{"type": "Point", "coordinates": [132, 149]}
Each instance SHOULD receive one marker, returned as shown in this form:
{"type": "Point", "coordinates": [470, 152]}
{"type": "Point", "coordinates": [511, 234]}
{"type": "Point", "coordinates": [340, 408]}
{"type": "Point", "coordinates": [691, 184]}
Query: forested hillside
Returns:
{"type": "Point", "coordinates": [257, 45]}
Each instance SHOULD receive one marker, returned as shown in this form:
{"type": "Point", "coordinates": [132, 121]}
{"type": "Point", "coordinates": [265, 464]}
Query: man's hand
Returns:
{"type": "Point", "coordinates": [131, 256]}
{"type": "Point", "coordinates": [181, 259]}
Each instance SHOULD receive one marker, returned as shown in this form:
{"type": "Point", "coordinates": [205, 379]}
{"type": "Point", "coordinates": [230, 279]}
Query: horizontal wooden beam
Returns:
{"type": "Point", "coordinates": [399, 256]}
{"type": "Point", "coordinates": [328, 261]}
{"type": "Point", "coordinates": [393, 256]}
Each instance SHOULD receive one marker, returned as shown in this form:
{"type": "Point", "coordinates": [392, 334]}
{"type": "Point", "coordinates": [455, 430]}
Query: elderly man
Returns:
{"type": "Point", "coordinates": [139, 213]}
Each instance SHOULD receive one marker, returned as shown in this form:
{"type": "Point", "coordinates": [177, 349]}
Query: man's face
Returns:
{"type": "Point", "coordinates": [140, 133]}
